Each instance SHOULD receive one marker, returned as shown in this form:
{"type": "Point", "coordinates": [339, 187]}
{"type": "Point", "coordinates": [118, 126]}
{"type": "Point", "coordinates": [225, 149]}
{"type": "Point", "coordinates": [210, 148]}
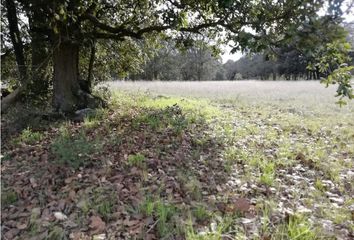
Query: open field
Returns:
{"type": "Point", "coordinates": [188, 160]}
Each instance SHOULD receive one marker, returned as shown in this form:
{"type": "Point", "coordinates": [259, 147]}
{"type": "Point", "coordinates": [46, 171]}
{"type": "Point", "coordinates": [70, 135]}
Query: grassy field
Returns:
{"type": "Point", "coordinates": [188, 160]}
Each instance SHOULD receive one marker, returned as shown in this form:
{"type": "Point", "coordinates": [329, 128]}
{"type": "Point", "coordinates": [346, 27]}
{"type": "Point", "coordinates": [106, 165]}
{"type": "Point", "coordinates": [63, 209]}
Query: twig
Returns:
{"type": "Point", "coordinates": [227, 236]}
{"type": "Point", "coordinates": [152, 226]}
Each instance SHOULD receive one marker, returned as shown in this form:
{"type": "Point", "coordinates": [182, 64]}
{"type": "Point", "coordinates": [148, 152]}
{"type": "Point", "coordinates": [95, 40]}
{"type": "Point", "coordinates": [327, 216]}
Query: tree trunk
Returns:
{"type": "Point", "coordinates": [68, 96]}
{"type": "Point", "coordinates": [40, 77]}
{"type": "Point", "coordinates": [19, 55]}
{"type": "Point", "coordinates": [65, 82]}
{"type": "Point", "coordinates": [92, 61]}
{"type": "Point", "coordinates": [16, 39]}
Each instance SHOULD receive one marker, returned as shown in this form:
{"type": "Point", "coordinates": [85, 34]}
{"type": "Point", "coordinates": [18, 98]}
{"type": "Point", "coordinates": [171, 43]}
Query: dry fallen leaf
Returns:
{"type": "Point", "coordinates": [21, 226]}
{"type": "Point", "coordinates": [96, 224]}
{"type": "Point", "coordinates": [242, 204]}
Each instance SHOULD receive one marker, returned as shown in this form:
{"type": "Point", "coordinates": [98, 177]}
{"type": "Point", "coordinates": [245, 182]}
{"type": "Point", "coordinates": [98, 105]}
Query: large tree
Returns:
{"type": "Point", "coordinates": [69, 24]}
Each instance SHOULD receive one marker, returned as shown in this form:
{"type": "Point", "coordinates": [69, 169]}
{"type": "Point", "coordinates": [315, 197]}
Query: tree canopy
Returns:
{"type": "Point", "coordinates": [69, 36]}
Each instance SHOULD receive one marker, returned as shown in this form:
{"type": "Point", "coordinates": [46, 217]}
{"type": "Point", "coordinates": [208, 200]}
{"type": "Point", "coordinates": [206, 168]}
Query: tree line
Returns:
{"type": "Point", "coordinates": [289, 62]}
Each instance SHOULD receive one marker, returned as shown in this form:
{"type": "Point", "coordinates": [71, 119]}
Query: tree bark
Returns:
{"type": "Point", "coordinates": [68, 96]}
{"type": "Point", "coordinates": [92, 61]}
{"type": "Point", "coordinates": [65, 82]}
{"type": "Point", "coordinates": [19, 55]}
{"type": "Point", "coordinates": [40, 77]}
{"type": "Point", "coordinates": [16, 39]}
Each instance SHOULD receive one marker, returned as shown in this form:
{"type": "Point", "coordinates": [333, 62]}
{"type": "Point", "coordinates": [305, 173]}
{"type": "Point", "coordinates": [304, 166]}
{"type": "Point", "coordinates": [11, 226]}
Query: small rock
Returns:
{"type": "Point", "coordinates": [247, 220]}
{"type": "Point", "coordinates": [339, 201]}
{"type": "Point", "coordinates": [99, 237]}
{"type": "Point", "coordinates": [302, 209]}
{"type": "Point", "coordinates": [60, 216]}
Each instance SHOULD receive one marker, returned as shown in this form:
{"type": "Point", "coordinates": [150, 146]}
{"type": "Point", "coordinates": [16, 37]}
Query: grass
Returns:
{"type": "Point", "coordinates": [8, 197]}
{"type": "Point", "coordinates": [73, 150]}
{"type": "Point", "coordinates": [198, 151]}
{"type": "Point", "coordinates": [137, 160]}
{"type": "Point", "coordinates": [163, 214]}
{"type": "Point", "coordinates": [28, 136]}
{"type": "Point", "coordinates": [297, 228]}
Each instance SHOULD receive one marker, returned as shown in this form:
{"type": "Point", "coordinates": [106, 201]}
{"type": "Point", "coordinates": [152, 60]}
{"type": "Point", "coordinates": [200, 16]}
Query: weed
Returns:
{"type": "Point", "coordinates": [104, 208]}
{"type": "Point", "coordinates": [8, 197]}
{"type": "Point", "coordinates": [217, 230]}
{"type": "Point", "coordinates": [56, 233]}
{"type": "Point", "coordinates": [164, 213]}
{"type": "Point", "coordinates": [147, 207]}
{"type": "Point", "coordinates": [201, 213]}
{"type": "Point", "coordinates": [90, 123]}
{"type": "Point", "coordinates": [230, 158]}
{"type": "Point", "coordinates": [193, 188]}
{"type": "Point", "coordinates": [84, 206]}
{"type": "Point", "coordinates": [29, 137]}
{"type": "Point", "coordinates": [103, 201]}
{"type": "Point", "coordinates": [319, 185]}
{"type": "Point", "coordinates": [137, 160]}
{"type": "Point", "coordinates": [73, 151]}
{"type": "Point", "coordinates": [297, 228]}
{"type": "Point", "coordinates": [34, 225]}
{"type": "Point", "coordinates": [268, 172]}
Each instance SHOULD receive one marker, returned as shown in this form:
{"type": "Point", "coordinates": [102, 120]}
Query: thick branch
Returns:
{"type": "Point", "coordinates": [121, 32]}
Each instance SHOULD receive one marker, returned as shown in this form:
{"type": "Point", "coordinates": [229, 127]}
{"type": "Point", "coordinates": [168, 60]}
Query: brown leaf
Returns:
{"type": "Point", "coordinates": [21, 226]}
{"type": "Point", "coordinates": [300, 156]}
{"type": "Point", "coordinates": [11, 233]}
{"type": "Point", "coordinates": [72, 195]}
{"type": "Point", "coordinates": [130, 223]}
{"type": "Point", "coordinates": [242, 204]}
{"type": "Point", "coordinates": [44, 157]}
{"type": "Point", "coordinates": [96, 224]}
{"type": "Point", "coordinates": [68, 180]}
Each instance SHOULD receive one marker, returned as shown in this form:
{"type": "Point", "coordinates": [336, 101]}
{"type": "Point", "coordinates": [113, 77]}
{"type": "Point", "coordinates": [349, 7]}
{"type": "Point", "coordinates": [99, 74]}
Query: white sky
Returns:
{"type": "Point", "coordinates": [348, 17]}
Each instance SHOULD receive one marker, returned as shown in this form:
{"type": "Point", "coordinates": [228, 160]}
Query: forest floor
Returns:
{"type": "Point", "coordinates": [268, 164]}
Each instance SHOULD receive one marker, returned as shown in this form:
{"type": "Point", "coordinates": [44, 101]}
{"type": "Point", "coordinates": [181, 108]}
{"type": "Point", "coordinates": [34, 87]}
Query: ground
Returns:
{"type": "Point", "coordinates": [181, 160]}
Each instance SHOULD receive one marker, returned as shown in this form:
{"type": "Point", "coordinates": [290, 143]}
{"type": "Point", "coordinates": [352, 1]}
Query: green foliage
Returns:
{"type": "Point", "coordinates": [268, 172]}
{"type": "Point", "coordinates": [201, 213]}
{"type": "Point", "coordinates": [162, 212]}
{"type": "Point", "coordinates": [29, 137]}
{"type": "Point", "coordinates": [170, 117]}
{"type": "Point", "coordinates": [56, 233]}
{"type": "Point", "coordinates": [137, 160]}
{"type": "Point", "coordinates": [73, 150]}
{"type": "Point", "coordinates": [147, 207]}
{"type": "Point", "coordinates": [103, 92]}
{"type": "Point", "coordinates": [216, 231]}
{"type": "Point", "coordinates": [297, 228]}
{"type": "Point", "coordinates": [335, 56]}
{"type": "Point", "coordinates": [8, 197]}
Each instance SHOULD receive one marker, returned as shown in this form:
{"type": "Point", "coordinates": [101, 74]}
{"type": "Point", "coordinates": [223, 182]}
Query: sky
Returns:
{"type": "Point", "coordinates": [348, 17]}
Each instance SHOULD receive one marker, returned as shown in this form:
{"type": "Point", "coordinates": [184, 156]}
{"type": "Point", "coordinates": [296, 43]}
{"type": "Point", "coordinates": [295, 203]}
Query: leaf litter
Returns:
{"type": "Point", "coordinates": [156, 166]}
